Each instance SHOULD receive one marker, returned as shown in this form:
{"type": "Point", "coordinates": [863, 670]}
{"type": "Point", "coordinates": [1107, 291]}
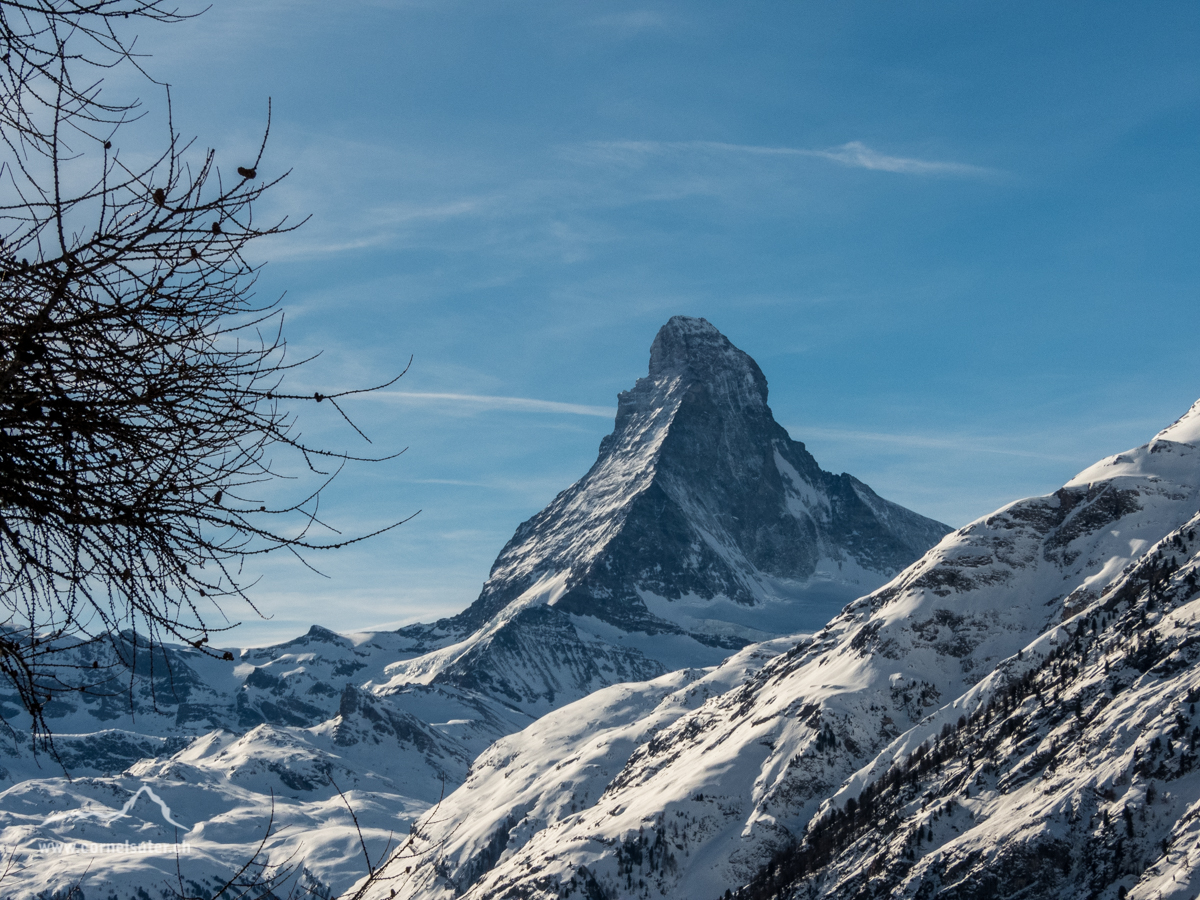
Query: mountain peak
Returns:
{"type": "Point", "coordinates": [701, 526]}
{"type": "Point", "coordinates": [1185, 429]}
{"type": "Point", "coordinates": [685, 343]}
{"type": "Point", "coordinates": [694, 349]}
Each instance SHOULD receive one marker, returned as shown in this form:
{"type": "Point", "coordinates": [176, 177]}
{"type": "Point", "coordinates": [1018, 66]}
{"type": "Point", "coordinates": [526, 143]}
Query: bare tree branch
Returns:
{"type": "Point", "coordinates": [142, 395]}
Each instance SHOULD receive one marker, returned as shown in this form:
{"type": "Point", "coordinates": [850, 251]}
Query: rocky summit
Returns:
{"type": "Point", "coordinates": [702, 526]}
{"type": "Point", "coordinates": [700, 494]}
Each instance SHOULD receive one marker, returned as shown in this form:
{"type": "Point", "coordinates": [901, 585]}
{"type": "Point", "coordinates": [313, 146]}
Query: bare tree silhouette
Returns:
{"type": "Point", "coordinates": [142, 399]}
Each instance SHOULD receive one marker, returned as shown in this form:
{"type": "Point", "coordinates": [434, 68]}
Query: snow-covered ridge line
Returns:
{"type": "Point", "coordinates": [720, 790]}
{"type": "Point", "coordinates": [1070, 773]}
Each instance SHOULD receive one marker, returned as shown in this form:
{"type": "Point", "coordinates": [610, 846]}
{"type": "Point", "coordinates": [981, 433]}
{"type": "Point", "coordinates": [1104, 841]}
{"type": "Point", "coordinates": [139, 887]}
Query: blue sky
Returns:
{"type": "Point", "coordinates": [960, 239]}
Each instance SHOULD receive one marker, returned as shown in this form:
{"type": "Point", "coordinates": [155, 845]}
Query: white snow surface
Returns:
{"type": "Point", "coordinates": [229, 793]}
{"type": "Point", "coordinates": [728, 783]}
{"type": "Point", "coordinates": [513, 793]}
{"type": "Point", "coordinates": [1185, 429]}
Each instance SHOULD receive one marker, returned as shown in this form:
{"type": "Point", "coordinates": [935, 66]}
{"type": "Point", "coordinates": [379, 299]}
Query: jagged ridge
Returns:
{"type": "Point", "coordinates": [701, 526]}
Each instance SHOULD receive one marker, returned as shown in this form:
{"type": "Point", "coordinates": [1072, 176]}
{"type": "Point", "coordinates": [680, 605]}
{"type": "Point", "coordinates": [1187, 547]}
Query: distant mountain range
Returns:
{"type": "Point", "coordinates": [658, 693]}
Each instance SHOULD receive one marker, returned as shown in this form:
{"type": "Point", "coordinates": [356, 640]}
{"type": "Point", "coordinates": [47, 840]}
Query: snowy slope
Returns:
{"type": "Point", "coordinates": [711, 796]}
{"type": "Point", "coordinates": [513, 792]}
{"type": "Point", "coordinates": [179, 693]}
{"type": "Point", "coordinates": [229, 747]}
{"type": "Point", "coordinates": [222, 796]}
{"type": "Point", "coordinates": [1069, 772]}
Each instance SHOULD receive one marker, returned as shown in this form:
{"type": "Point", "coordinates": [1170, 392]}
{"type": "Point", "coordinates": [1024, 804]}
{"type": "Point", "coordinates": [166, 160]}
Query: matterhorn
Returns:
{"type": "Point", "coordinates": [701, 527]}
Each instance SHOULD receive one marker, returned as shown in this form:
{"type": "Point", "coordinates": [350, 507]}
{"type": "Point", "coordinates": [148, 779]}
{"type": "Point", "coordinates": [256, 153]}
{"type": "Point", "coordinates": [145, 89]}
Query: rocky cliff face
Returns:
{"type": "Point", "coordinates": [699, 493]}
{"type": "Point", "coordinates": [701, 526]}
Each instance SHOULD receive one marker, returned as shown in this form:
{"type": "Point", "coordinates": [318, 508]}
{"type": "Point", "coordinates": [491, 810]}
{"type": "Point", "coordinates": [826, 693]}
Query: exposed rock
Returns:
{"type": "Point", "coordinates": [701, 526]}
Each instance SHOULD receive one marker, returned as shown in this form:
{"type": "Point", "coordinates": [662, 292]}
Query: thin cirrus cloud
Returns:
{"type": "Point", "coordinates": [630, 22]}
{"type": "Point", "coordinates": [859, 155]}
{"type": "Point", "coordinates": [462, 211]}
{"type": "Point", "coordinates": [854, 154]}
{"type": "Point", "coordinates": [483, 402]}
{"type": "Point", "coordinates": [960, 444]}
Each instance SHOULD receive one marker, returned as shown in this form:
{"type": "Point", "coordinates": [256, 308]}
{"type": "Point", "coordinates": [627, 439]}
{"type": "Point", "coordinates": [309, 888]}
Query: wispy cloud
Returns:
{"type": "Point", "coordinates": [376, 227]}
{"type": "Point", "coordinates": [961, 444]}
{"type": "Point", "coordinates": [457, 201]}
{"type": "Point", "coordinates": [483, 401]}
{"type": "Point", "coordinates": [454, 482]}
{"type": "Point", "coordinates": [854, 154]}
{"type": "Point", "coordinates": [630, 22]}
{"type": "Point", "coordinates": [859, 155]}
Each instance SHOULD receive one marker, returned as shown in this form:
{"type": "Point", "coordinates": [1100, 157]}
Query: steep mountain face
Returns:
{"type": "Point", "coordinates": [711, 795]}
{"type": "Point", "coordinates": [1069, 772]}
{"type": "Point", "coordinates": [698, 491]}
{"type": "Point", "coordinates": [701, 526]}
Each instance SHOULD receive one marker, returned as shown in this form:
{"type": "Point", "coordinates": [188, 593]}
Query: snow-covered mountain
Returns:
{"type": "Point", "coordinates": [1069, 772]}
{"type": "Point", "coordinates": [179, 692]}
{"type": "Point", "coordinates": [702, 526]}
{"type": "Point", "coordinates": [232, 750]}
{"type": "Point", "coordinates": [1013, 715]}
{"type": "Point", "coordinates": [997, 714]}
